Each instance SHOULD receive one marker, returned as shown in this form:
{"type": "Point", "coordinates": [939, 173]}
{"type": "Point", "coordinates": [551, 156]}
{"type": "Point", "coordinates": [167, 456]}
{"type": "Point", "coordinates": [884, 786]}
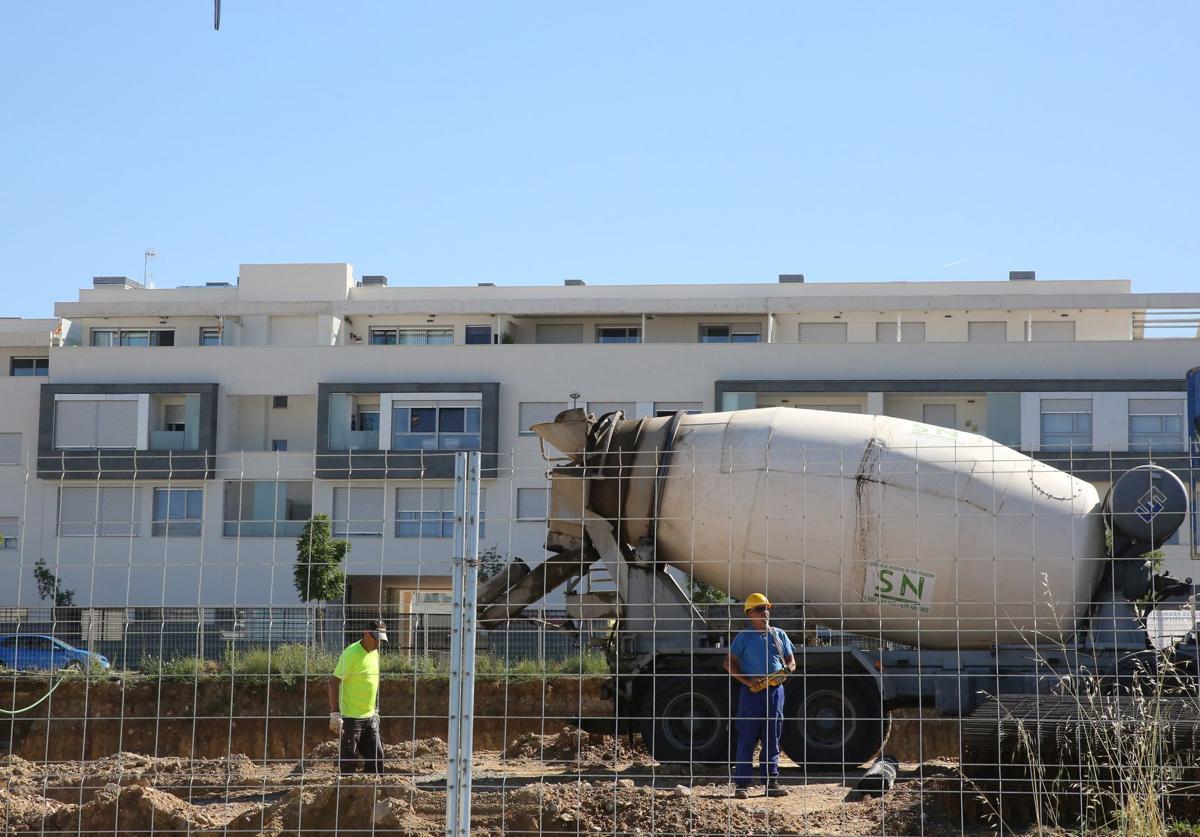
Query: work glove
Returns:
{"type": "Point", "coordinates": [335, 723]}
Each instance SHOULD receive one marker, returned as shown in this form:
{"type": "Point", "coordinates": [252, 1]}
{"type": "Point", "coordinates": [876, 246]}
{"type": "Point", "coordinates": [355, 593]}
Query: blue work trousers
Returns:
{"type": "Point", "coordinates": [759, 718]}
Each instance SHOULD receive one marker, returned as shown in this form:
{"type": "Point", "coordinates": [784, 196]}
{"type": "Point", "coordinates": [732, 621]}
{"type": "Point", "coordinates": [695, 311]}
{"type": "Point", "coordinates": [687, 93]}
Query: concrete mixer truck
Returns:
{"type": "Point", "coordinates": [921, 566]}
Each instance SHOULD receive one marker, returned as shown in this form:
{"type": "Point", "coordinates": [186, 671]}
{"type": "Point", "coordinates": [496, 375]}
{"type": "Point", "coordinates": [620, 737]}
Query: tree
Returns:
{"type": "Point", "coordinates": [50, 586]}
{"type": "Point", "coordinates": [318, 572]}
{"type": "Point", "coordinates": [490, 563]}
{"type": "Point", "coordinates": [700, 591]}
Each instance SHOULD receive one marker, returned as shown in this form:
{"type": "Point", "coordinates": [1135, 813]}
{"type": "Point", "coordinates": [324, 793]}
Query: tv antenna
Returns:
{"type": "Point", "coordinates": [148, 268]}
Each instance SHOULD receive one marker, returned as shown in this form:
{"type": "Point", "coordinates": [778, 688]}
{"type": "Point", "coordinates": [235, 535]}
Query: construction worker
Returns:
{"type": "Point", "coordinates": [354, 702]}
{"type": "Point", "coordinates": [759, 658]}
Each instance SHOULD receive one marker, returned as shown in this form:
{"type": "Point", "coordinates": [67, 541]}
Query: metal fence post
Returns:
{"type": "Point", "coordinates": [462, 643]}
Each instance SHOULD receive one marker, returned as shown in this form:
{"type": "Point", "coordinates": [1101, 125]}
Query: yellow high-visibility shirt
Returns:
{"type": "Point", "coordinates": [358, 669]}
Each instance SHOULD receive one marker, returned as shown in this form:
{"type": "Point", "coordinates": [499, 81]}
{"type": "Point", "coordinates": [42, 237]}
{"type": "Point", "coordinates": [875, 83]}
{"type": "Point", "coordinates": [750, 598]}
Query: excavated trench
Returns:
{"type": "Point", "coordinates": [223, 757]}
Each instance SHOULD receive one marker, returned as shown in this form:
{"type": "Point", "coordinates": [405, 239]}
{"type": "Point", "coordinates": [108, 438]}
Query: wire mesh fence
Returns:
{"type": "Point", "coordinates": [744, 623]}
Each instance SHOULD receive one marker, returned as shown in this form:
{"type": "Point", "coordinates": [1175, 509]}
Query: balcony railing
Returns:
{"type": "Point", "coordinates": [361, 440]}
{"type": "Point", "coordinates": [168, 440]}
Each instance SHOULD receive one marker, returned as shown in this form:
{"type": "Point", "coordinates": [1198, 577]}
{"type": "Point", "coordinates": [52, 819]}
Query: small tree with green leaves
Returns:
{"type": "Point", "coordinates": [50, 586]}
{"type": "Point", "coordinates": [700, 591]}
{"type": "Point", "coordinates": [318, 573]}
{"type": "Point", "coordinates": [490, 563]}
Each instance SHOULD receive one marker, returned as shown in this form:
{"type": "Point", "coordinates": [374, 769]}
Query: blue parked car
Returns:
{"type": "Point", "coordinates": [41, 651]}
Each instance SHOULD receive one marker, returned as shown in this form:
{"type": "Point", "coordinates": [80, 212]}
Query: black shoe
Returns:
{"type": "Point", "coordinates": [741, 793]}
{"type": "Point", "coordinates": [776, 789]}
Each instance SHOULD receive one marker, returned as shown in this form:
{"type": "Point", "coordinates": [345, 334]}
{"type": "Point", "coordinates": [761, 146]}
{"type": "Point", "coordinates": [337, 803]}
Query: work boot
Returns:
{"type": "Point", "coordinates": [776, 789]}
{"type": "Point", "coordinates": [741, 793]}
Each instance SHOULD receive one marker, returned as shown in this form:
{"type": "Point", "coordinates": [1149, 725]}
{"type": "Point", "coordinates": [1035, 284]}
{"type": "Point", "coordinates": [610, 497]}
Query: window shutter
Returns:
{"type": "Point", "coordinates": [10, 448]}
{"type": "Point", "coordinates": [116, 425]}
{"type": "Point", "coordinates": [119, 511]}
{"type": "Point", "coordinates": [75, 424]}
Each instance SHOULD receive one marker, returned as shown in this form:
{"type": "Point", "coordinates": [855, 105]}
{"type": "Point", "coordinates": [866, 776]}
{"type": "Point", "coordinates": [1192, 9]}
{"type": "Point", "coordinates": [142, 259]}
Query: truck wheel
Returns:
{"type": "Point", "coordinates": [686, 719]}
{"type": "Point", "coordinates": [833, 719]}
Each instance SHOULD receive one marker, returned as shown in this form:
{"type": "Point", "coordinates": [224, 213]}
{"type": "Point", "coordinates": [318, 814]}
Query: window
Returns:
{"type": "Point", "coordinates": [530, 413]}
{"type": "Point", "coordinates": [175, 418]}
{"type": "Point", "coordinates": [264, 509]}
{"type": "Point", "coordinates": [177, 512]}
{"type": "Point", "coordinates": [404, 336]}
{"type": "Point", "coordinates": [987, 332]}
{"type": "Point", "coordinates": [210, 336]}
{"type": "Point", "coordinates": [478, 335]}
{"type": "Point", "coordinates": [435, 428]}
{"type": "Point", "coordinates": [28, 367]}
{"type": "Point", "coordinates": [830, 408]}
{"type": "Point", "coordinates": [9, 530]}
{"type": "Point", "coordinates": [279, 445]}
{"type": "Point", "coordinates": [909, 333]}
{"type": "Point", "coordinates": [279, 402]}
{"type": "Point", "coordinates": [822, 332]}
{"type": "Point", "coordinates": [1067, 424]}
{"type": "Point", "coordinates": [1156, 424]}
{"type": "Point", "coordinates": [88, 511]}
{"type": "Point", "coordinates": [670, 408]}
{"type": "Point", "coordinates": [428, 512]}
{"type": "Point", "coordinates": [618, 334]}
{"type": "Point", "coordinates": [559, 333]}
{"type": "Point", "coordinates": [731, 401]}
{"type": "Point", "coordinates": [599, 408]}
{"type": "Point", "coordinates": [940, 415]}
{"type": "Point", "coordinates": [532, 503]}
{"type": "Point", "coordinates": [357, 512]}
{"type": "Point", "coordinates": [731, 333]}
{"type": "Point", "coordinates": [132, 337]}
{"type": "Point", "coordinates": [96, 424]}
{"type": "Point", "coordinates": [10, 448]}
{"type": "Point", "coordinates": [1052, 331]}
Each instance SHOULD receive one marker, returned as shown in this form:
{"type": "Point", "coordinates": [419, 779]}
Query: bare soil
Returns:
{"type": "Point", "coordinates": [568, 782]}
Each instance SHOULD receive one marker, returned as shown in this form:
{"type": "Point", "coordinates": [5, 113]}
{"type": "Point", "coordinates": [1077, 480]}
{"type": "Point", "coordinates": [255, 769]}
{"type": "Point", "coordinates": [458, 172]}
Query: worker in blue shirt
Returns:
{"type": "Point", "coordinates": [759, 658]}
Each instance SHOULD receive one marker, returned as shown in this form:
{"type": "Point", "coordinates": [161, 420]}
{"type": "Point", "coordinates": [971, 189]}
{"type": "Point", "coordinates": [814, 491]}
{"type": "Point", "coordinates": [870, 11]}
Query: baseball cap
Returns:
{"type": "Point", "coordinates": [378, 629]}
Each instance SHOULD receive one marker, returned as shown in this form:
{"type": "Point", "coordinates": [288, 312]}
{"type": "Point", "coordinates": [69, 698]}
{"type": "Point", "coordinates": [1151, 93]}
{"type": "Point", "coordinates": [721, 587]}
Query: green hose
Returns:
{"type": "Point", "coordinates": [36, 702]}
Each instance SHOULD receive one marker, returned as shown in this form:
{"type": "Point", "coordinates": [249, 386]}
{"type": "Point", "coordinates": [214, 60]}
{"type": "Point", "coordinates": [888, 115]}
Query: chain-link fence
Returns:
{"type": "Point", "coordinates": [752, 622]}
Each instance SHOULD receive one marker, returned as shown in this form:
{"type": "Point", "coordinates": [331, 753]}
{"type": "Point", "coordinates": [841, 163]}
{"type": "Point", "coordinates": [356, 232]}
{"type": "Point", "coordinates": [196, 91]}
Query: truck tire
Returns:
{"type": "Point", "coordinates": [833, 719]}
{"type": "Point", "coordinates": [686, 719]}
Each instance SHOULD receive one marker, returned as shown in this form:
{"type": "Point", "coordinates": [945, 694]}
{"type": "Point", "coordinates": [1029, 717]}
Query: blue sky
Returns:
{"type": "Point", "coordinates": [526, 143]}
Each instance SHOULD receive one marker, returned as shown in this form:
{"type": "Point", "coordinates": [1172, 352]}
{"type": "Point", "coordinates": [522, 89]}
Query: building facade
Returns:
{"type": "Point", "coordinates": [163, 447]}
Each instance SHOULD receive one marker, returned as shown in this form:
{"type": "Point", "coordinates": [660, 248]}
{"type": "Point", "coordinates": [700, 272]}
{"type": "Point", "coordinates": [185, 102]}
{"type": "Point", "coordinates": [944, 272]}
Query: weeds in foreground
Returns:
{"type": "Point", "coordinates": [1100, 750]}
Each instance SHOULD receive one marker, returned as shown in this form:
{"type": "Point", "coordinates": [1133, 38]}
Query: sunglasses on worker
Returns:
{"type": "Point", "coordinates": [760, 609]}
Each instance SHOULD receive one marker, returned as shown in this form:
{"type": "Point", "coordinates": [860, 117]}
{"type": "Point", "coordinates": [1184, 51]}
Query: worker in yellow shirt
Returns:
{"type": "Point", "coordinates": [354, 702]}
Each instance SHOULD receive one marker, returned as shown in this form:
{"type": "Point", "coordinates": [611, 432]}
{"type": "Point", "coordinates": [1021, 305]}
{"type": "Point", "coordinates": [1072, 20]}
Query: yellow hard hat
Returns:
{"type": "Point", "coordinates": [756, 600]}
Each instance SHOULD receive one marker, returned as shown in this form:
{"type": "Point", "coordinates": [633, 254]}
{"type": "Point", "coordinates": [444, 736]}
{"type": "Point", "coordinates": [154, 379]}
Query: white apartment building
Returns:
{"type": "Point", "coordinates": [162, 447]}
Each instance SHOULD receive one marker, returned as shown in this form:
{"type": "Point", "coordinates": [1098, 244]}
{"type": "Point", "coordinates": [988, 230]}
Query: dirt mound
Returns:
{"type": "Point", "coordinates": [621, 807]}
{"type": "Point", "coordinates": [574, 745]}
{"type": "Point", "coordinates": [134, 809]}
{"type": "Point", "coordinates": [434, 748]}
{"type": "Point", "coordinates": [353, 805]}
{"type": "Point", "coordinates": [25, 811]}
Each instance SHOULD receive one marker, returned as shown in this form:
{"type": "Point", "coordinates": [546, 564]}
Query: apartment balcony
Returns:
{"type": "Point", "coordinates": [409, 430]}
{"type": "Point", "coordinates": [127, 431]}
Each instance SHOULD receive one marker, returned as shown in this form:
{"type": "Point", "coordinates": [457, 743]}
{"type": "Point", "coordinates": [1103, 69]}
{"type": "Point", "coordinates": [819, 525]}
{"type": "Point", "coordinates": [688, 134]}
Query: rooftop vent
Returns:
{"type": "Point", "coordinates": [486, 285]}
{"type": "Point", "coordinates": [114, 282]}
{"type": "Point", "coordinates": [374, 281]}
{"type": "Point", "coordinates": [791, 277]}
{"type": "Point", "coordinates": [1022, 275]}
{"type": "Point", "coordinates": [573, 282]}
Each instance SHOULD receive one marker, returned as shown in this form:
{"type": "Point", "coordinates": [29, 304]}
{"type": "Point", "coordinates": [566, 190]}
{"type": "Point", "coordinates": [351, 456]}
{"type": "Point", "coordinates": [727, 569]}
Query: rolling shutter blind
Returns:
{"type": "Point", "coordinates": [75, 424]}
{"type": "Point", "coordinates": [116, 424]}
